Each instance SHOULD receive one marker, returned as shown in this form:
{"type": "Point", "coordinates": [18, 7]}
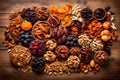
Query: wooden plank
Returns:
{"type": "Point", "coordinates": [2, 36]}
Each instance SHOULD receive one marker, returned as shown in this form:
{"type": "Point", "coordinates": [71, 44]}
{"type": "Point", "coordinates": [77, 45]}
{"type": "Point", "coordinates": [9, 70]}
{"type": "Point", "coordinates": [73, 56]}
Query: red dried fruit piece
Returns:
{"type": "Point", "coordinates": [59, 40]}
{"type": "Point", "coordinates": [53, 21]}
{"type": "Point", "coordinates": [64, 38]}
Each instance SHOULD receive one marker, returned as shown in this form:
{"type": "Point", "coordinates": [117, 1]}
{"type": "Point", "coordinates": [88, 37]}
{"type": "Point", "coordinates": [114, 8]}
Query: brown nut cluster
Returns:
{"type": "Point", "coordinates": [96, 45]}
{"type": "Point", "coordinates": [41, 31]}
{"type": "Point", "coordinates": [74, 50]}
{"type": "Point", "coordinates": [85, 68]}
{"type": "Point", "coordinates": [24, 69]}
{"type": "Point", "coordinates": [95, 28]}
{"type": "Point", "coordinates": [60, 34]}
{"type": "Point", "coordinates": [62, 51]}
{"type": "Point", "coordinates": [73, 61]}
{"type": "Point", "coordinates": [51, 44]}
{"type": "Point", "coordinates": [101, 57]}
{"type": "Point", "coordinates": [20, 56]}
{"type": "Point", "coordinates": [84, 40]}
{"type": "Point", "coordinates": [42, 13]}
{"type": "Point", "coordinates": [49, 56]}
{"type": "Point", "coordinates": [114, 34]}
{"type": "Point", "coordinates": [15, 26]}
{"type": "Point", "coordinates": [56, 67]}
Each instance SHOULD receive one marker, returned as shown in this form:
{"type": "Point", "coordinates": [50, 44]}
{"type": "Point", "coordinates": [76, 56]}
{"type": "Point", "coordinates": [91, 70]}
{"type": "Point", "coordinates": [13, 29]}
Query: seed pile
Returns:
{"type": "Point", "coordinates": [58, 40]}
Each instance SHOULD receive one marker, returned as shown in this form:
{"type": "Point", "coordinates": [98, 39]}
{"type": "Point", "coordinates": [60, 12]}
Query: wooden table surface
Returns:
{"type": "Point", "coordinates": [8, 72]}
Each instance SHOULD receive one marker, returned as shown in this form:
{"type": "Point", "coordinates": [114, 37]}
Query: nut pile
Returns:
{"type": "Point", "coordinates": [42, 13]}
{"type": "Point", "coordinates": [20, 56]}
{"type": "Point", "coordinates": [76, 15]}
{"type": "Point", "coordinates": [96, 45]}
{"type": "Point", "coordinates": [51, 44]}
{"type": "Point", "coordinates": [101, 57]}
{"type": "Point", "coordinates": [62, 51]}
{"type": "Point", "coordinates": [74, 50]}
{"type": "Point", "coordinates": [49, 56]}
{"type": "Point", "coordinates": [84, 40]}
{"type": "Point", "coordinates": [57, 40]}
{"type": "Point", "coordinates": [73, 61]}
{"type": "Point", "coordinates": [56, 68]}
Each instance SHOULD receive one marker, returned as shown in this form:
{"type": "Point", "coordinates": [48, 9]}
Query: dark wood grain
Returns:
{"type": "Point", "coordinates": [8, 72]}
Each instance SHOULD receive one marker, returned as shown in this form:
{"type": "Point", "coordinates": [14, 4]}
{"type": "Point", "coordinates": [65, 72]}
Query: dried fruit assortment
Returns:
{"type": "Point", "coordinates": [58, 40]}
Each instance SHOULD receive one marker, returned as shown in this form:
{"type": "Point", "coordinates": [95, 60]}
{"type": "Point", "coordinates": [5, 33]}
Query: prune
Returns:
{"type": "Point", "coordinates": [107, 8]}
{"type": "Point", "coordinates": [25, 38]}
{"type": "Point", "coordinates": [86, 55]}
{"type": "Point", "coordinates": [99, 14]}
{"type": "Point", "coordinates": [71, 41]}
{"type": "Point", "coordinates": [86, 13]}
{"type": "Point", "coordinates": [29, 14]}
{"type": "Point", "coordinates": [38, 64]}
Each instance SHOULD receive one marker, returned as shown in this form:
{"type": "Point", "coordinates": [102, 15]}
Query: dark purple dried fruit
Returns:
{"type": "Point", "coordinates": [99, 14]}
{"type": "Point", "coordinates": [29, 14]}
{"type": "Point", "coordinates": [86, 55]}
{"type": "Point", "coordinates": [107, 8]}
{"type": "Point", "coordinates": [38, 64]}
{"type": "Point", "coordinates": [86, 13]}
{"type": "Point", "coordinates": [37, 48]}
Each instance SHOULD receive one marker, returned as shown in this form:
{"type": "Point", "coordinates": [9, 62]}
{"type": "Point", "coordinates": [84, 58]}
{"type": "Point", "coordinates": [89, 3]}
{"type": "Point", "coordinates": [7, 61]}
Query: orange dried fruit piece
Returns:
{"type": "Point", "coordinates": [69, 22]}
{"type": "Point", "coordinates": [53, 10]}
{"type": "Point", "coordinates": [98, 24]}
{"type": "Point", "coordinates": [74, 29]}
{"type": "Point", "coordinates": [105, 38]}
{"type": "Point", "coordinates": [26, 25]}
{"type": "Point", "coordinates": [19, 10]}
{"type": "Point", "coordinates": [62, 9]}
{"type": "Point", "coordinates": [94, 22]}
{"type": "Point", "coordinates": [106, 25]}
{"type": "Point", "coordinates": [69, 5]}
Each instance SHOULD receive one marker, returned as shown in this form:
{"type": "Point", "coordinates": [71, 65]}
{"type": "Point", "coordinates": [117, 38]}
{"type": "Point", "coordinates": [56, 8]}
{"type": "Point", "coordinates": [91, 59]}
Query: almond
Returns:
{"type": "Point", "coordinates": [92, 63]}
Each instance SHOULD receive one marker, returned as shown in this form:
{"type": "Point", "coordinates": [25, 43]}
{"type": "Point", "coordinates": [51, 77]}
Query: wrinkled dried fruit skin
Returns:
{"type": "Point", "coordinates": [60, 34]}
{"type": "Point", "coordinates": [62, 51]}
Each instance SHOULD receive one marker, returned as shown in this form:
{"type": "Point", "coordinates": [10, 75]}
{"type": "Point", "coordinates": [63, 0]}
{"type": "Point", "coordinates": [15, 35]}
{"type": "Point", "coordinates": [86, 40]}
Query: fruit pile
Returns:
{"type": "Point", "coordinates": [57, 40]}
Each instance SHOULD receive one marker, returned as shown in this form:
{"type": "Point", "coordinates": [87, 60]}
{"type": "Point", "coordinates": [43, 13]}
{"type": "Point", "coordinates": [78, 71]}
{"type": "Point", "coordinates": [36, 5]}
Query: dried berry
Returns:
{"type": "Point", "coordinates": [86, 55]}
{"type": "Point", "coordinates": [86, 13]}
{"type": "Point", "coordinates": [37, 48]}
{"type": "Point", "coordinates": [29, 14]}
{"type": "Point", "coordinates": [38, 64]}
{"type": "Point", "coordinates": [99, 14]}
